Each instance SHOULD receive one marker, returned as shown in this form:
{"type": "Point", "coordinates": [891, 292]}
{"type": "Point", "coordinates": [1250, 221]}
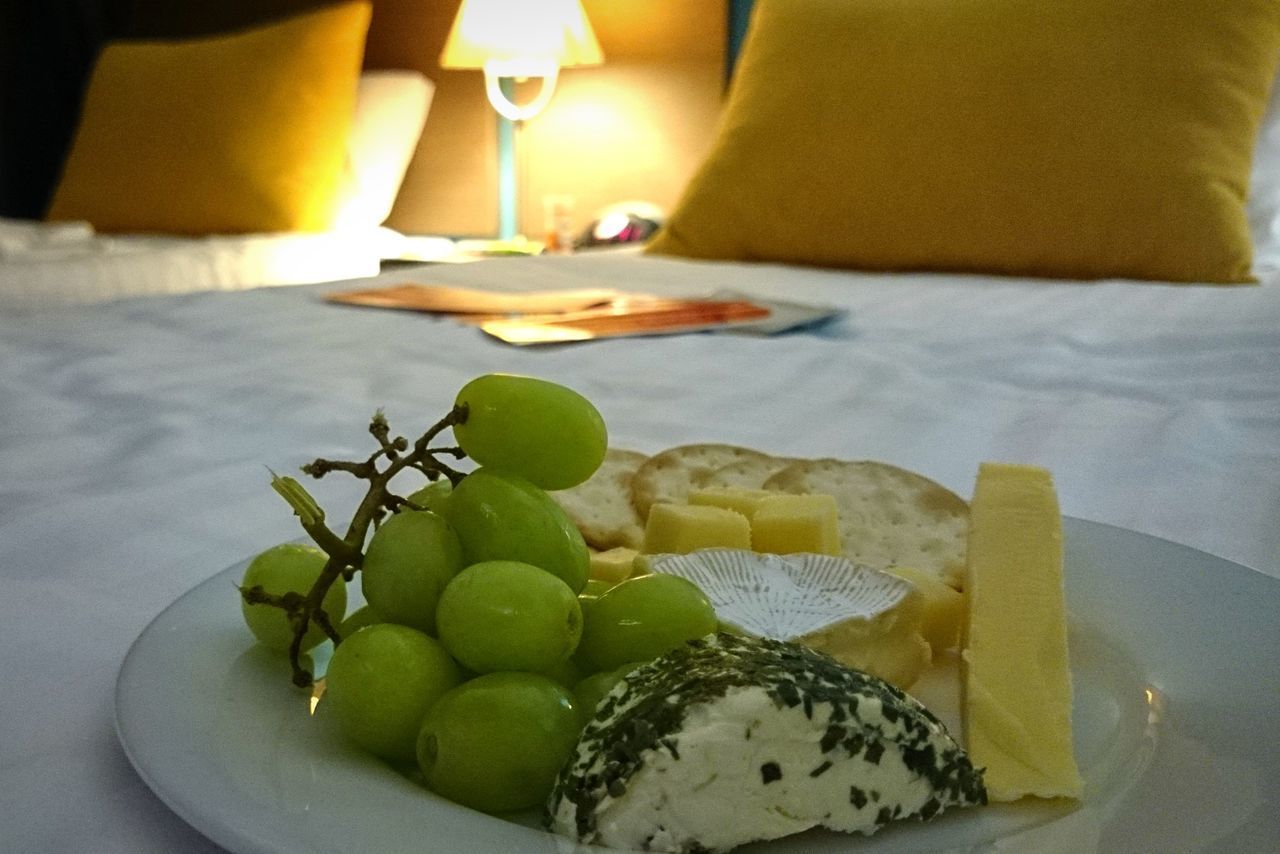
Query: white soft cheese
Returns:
{"type": "Point", "coordinates": [732, 739]}
{"type": "Point", "coordinates": [722, 792]}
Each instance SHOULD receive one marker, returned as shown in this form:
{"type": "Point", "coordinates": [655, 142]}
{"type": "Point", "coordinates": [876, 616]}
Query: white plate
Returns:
{"type": "Point", "coordinates": [1175, 656]}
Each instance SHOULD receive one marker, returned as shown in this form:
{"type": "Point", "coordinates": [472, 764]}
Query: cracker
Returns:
{"type": "Point", "coordinates": [889, 516]}
{"type": "Point", "coordinates": [747, 473]}
{"type": "Point", "coordinates": [601, 506]}
{"type": "Point", "coordinates": [671, 475]}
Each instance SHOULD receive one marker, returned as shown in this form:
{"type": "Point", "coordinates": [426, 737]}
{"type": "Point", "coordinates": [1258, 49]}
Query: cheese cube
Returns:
{"type": "Point", "coordinates": [786, 524]}
{"type": "Point", "coordinates": [1017, 688]}
{"type": "Point", "coordinates": [683, 528]}
{"type": "Point", "coordinates": [613, 565]}
{"type": "Point", "coordinates": [741, 499]}
{"type": "Point", "coordinates": [642, 565]}
{"type": "Point", "coordinates": [943, 607]}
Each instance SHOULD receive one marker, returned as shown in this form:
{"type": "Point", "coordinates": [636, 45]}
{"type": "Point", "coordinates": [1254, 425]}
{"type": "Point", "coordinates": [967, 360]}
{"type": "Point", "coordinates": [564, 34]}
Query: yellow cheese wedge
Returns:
{"type": "Point", "coordinates": [1017, 683]}
{"type": "Point", "coordinates": [788, 524]}
{"type": "Point", "coordinates": [683, 528]}
{"type": "Point", "coordinates": [943, 607]}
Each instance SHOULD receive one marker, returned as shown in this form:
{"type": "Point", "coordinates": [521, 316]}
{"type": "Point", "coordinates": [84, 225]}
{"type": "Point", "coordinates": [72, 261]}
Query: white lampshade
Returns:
{"type": "Point", "coordinates": [515, 32]}
{"type": "Point", "coordinates": [521, 39]}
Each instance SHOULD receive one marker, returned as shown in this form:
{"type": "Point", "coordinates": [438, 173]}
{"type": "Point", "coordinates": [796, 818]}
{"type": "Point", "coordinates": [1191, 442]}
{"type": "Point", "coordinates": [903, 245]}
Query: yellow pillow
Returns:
{"type": "Point", "coordinates": [241, 132]}
{"type": "Point", "coordinates": [1081, 139]}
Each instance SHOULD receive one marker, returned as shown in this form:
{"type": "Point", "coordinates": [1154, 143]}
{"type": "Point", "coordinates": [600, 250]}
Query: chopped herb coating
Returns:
{"type": "Point", "coordinates": [861, 719]}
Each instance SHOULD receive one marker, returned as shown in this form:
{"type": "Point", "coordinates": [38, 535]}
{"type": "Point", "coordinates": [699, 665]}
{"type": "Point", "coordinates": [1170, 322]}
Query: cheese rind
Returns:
{"type": "Point", "coordinates": [1017, 680]}
{"type": "Point", "coordinates": [862, 617]}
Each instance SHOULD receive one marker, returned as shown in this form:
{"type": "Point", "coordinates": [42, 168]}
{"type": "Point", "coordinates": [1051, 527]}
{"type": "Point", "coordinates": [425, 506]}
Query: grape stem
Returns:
{"type": "Point", "coordinates": [345, 553]}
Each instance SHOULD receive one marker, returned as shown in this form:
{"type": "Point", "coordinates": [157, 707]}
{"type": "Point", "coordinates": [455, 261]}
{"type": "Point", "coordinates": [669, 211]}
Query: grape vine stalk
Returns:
{"type": "Point", "coordinates": [345, 552]}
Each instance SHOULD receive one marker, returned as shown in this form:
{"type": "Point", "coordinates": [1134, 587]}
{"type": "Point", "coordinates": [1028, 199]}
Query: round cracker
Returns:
{"type": "Point", "coordinates": [669, 476]}
{"type": "Point", "coordinates": [601, 506]}
{"type": "Point", "coordinates": [889, 516]}
{"type": "Point", "coordinates": [747, 473]}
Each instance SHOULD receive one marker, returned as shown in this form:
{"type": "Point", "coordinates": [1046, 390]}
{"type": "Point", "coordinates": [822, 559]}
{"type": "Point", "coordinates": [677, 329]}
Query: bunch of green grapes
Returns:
{"type": "Point", "coordinates": [482, 651]}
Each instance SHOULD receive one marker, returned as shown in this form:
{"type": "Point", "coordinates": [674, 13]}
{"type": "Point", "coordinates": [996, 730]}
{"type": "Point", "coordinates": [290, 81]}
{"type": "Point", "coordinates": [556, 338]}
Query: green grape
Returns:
{"type": "Point", "coordinates": [433, 496]}
{"type": "Point", "coordinates": [544, 432]}
{"type": "Point", "coordinates": [410, 559]}
{"type": "Point", "coordinates": [641, 618]}
{"type": "Point", "coordinates": [380, 683]}
{"type": "Point", "coordinates": [289, 568]}
{"type": "Point", "coordinates": [593, 589]}
{"type": "Point", "coordinates": [590, 691]}
{"type": "Point", "coordinates": [357, 620]}
{"type": "Point", "coordinates": [564, 673]}
{"type": "Point", "coordinates": [501, 516]}
{"type": "Point", "coordinates": [507, 615]}
{"type": "Point", "coordinates": [496, 743]}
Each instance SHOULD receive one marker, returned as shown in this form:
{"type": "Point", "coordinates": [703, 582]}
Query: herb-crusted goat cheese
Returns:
{"type": "Point", "coordinates": [734, 739]}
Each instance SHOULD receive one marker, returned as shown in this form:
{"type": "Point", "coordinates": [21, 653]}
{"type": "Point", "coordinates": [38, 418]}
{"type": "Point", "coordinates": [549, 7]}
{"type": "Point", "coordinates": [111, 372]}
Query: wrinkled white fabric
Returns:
{"type": "Point", "coordinates": [47, 265]}
{"type": "Point", "coordinates": [135, 436]}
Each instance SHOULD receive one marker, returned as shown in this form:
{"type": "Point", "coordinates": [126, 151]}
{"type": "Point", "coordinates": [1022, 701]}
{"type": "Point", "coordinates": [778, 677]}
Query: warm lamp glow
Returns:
{"type": "Point", "coordinates": [520, 39]}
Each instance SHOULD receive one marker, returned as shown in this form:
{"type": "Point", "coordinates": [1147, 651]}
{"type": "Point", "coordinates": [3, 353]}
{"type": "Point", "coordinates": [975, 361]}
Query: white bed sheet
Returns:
{"type": "Point", "coordinates": [50, 264]}
{"type": "Point", "coordinates": [135, 436]}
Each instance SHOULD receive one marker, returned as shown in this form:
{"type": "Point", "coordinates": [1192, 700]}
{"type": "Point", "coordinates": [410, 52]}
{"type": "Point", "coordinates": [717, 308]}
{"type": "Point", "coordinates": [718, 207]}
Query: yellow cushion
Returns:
{"type": "Point", "coordinates": [1081, 139]}
{"type": "Point", "coordinates": [241, 132]}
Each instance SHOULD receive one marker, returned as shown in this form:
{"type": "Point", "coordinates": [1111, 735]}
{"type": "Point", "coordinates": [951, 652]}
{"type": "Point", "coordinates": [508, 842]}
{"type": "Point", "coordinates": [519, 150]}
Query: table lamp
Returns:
{"type": "Point", "coordinates": [514, 41]}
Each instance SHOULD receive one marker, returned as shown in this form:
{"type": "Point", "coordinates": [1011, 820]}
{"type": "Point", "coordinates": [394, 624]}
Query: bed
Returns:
{"type": "Point", "coordinates": [71, 262]}
{"type": "Point", "coordinates": [199, 165]}
{"type": "Point", "coordinates": [137, 431]}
